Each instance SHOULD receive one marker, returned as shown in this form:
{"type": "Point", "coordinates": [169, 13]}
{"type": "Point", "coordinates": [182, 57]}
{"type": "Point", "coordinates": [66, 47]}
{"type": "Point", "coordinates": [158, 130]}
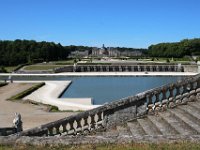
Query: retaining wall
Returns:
{"type": "Point", "coordinates": [121, 68]}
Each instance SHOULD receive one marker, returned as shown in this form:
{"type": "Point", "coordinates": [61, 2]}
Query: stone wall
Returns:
{"type": "Point", "coordinates": [190, 68]}
{"type": "Point", "coordinates": [118, 112]}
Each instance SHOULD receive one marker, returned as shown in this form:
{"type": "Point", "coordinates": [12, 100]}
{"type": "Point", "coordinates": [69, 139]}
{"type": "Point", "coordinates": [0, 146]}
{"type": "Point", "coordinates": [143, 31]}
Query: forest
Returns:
{"type": "Point", "coordinates": [179, 49]}
{"type": "Point", "coordinates": [29, 51]}
{"type": "Point", "coordinates": [17, 52]}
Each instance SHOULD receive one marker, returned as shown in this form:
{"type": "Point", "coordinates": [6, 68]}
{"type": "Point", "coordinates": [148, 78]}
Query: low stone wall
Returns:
{"type": "Point", "coordinates": [190, 68]}
{"type": "Point", "coordinates": [118, 112]}
{"type": "Point", "coordinates": [121, 68]}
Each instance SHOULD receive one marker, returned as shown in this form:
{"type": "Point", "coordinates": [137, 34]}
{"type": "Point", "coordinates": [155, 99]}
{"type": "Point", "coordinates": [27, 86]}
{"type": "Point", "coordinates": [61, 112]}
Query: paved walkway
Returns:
{"type": "Point", "coordinates": [107, 74]}
{"type": "Point", "coordinates": [32, 115]}
{"type": "Point", "coordinates": [50, 92]}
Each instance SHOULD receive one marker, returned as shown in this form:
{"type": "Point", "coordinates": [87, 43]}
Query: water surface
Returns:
{"type": "Point", "coordinates": [107, 89]}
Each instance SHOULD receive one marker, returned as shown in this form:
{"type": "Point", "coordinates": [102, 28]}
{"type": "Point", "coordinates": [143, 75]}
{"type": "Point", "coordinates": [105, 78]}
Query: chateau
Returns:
{"type": "Point", "coordinates": [113, 52]}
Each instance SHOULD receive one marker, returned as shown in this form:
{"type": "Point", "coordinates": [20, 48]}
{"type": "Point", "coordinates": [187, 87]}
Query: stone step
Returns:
{"type": "Point", "coordinates": [194, 107]}
{"type": "Point", "coordinates": [149, 127]}
{"type": "Point", "coordinates": [192, 111]}
{"type": "Point", "coordinates": [164, 127]}
{"type": "Point", "coordinates": [177, 123]}
{"type": "Point", "coordinates": [135, 128]}
{"type": "Point", "coordinates": [123, 130]}
{"type": "Point", "coordinates": [187, 118]}
{"type": "Point", "coordinates": [110, 132]}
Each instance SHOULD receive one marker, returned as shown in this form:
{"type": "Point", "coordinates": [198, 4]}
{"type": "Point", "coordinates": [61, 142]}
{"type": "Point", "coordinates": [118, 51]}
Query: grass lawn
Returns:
{"type": "Point", "coordinates": [42, 67]}
{"type": "Point", "coordinates": [63, 62]}
{"type": "Point", "coordinates": [133, 146]}
{"type": "Point", "coordinates": [11, 68]}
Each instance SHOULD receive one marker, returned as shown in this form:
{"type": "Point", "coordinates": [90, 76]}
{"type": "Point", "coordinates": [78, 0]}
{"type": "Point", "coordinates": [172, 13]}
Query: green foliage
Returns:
{"type": "Point", "coordinates": [53, 109]}
{"type": "Point", "coordinates": [167, 60]}
{"type": "Point", "coordinates": [42, 67]}
{"type": "Point", "coordinates": [13, 53]}
{"type": "Point", "coordinates": [26, 92]}
{"type": "Point", "coordinates": [177, 50]}
{"type": "Point", "coordinates": [3, 69]}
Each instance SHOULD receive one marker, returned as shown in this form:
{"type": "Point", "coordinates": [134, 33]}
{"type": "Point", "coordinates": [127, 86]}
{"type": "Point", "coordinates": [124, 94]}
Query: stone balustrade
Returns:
{"type": "Point", "coordinates": [119, 112]}
{"type": "Point", "coordinates": [121, 68]}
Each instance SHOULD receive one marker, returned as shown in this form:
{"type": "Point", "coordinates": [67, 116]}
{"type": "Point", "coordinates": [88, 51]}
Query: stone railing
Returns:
{"type": "Point", "coordinates": [173, 94]}
{"type": "Point", "coordinates": [121, 68]}
{"type": "Point", "coordinates": [119, 112]}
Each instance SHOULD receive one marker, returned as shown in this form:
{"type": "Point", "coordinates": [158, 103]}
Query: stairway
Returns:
{"type": "Point", "coordinates": [181, 120]}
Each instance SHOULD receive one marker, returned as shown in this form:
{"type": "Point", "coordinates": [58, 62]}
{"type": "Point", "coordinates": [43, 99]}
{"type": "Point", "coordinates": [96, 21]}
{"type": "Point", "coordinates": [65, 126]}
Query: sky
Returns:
{"type": "Point", "coordinates": [124, 23]}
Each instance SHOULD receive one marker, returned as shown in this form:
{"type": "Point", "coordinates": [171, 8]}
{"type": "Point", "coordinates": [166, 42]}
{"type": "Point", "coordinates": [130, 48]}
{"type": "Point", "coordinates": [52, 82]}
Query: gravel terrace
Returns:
{"type": "Point", "coordinates": [32, 115]}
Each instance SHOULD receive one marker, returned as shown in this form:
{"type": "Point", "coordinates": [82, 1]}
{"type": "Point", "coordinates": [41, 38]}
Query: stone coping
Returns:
{"type": "Point", "coordinates": [106, 74]}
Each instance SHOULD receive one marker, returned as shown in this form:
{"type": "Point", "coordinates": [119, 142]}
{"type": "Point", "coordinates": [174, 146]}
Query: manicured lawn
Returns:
{"type": "Point", "coordinates": [42, 67]}
{"type": "Point", "coordinates": [10, 68]}
{"type": "Point", "coordinates": [64, 62]}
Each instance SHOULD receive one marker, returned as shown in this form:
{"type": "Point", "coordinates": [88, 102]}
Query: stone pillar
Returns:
{"type": "Point", "coordinates": [101, 69]}
{"type": "Point", "coordinates": [151, 69]}
{"type": "Point", "coordinates": [107, 69]}
{"type": "Point", "coordinates": [95, 68]}
{"type": "Point", "coordinates": [120, 68]}
{"type": "Point", "coordinates": [82, 69]}
{"type": "Point", "coordinates": [157, 69]}
{"type": "Point", "coordinates": [88, 69]}
{"type": "Point", "coordinates": [139, 69]}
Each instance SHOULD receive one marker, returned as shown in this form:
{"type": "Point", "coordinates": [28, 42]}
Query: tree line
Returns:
{"type": "Point", "coordinates": [177, 49]}
{"type": "Point", "coordinates": [29, 51]}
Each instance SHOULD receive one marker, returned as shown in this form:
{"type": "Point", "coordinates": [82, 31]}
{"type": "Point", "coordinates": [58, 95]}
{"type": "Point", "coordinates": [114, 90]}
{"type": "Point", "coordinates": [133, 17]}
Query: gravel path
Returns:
{"type": "Point", "coordinates": [32, 115]}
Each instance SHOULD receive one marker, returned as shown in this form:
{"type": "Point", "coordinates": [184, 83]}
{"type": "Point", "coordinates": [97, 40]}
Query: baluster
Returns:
{"type": "Point", "coordinates": [75, 125]}
{"type": "Point", "coordinates": [198, 83]}
{"type": "Point", "coordinates": [185, 94]}
{"type": "Point", "coordinates": [178, 95]}
{"type": "Point", "coordinates": [96, 118]}
{"type": "Point", "coordinates": [50, 131]}
{"type": "Point", "coordinates": [149, 102]}
{"type": "Point", "coordinates": [139, 69]}
{"type": "Point", "coordinates": [64, 127]}
{"type": "Point", "coordinates": [82, 123]}
{"type": "Point", "coordinates": [57, 130]}
{"type": "Point", "coordinates": [192, 92]}
{"type": "Point", "coordinates": [184, 88]}
{"type": "Point", "coordinates": [72, 130]}
{"type": "Point", "coordinates": [89, 121]}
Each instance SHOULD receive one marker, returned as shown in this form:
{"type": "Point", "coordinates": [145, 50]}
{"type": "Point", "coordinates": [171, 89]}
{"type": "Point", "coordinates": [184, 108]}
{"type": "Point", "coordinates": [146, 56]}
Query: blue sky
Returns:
{"type": "Point", "coordinates": [129, 23]}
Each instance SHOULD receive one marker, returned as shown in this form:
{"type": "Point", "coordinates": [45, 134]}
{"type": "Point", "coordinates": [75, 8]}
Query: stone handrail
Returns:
{"type": "Point", "coordinates": [118, 112]}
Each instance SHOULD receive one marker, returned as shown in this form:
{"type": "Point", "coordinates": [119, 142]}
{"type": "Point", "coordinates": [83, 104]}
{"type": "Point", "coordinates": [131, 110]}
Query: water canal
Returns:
{"type": "Point", "coordinates": [107, 89]}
